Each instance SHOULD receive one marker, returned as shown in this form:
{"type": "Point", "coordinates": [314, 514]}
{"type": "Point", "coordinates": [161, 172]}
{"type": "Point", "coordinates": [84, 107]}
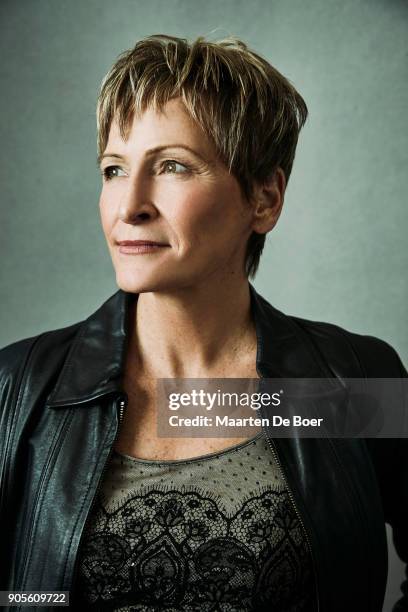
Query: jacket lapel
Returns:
{"type": "Point", "coordinates": [96, 359]}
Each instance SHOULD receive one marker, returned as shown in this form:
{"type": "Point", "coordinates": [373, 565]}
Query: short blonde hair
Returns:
{"type": "Point", "coordinates": [250, 111]}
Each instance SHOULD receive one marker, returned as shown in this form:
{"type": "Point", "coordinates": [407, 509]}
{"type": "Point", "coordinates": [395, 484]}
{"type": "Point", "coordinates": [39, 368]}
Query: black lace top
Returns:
{"type": "Point", "coordinates": [212, 533]}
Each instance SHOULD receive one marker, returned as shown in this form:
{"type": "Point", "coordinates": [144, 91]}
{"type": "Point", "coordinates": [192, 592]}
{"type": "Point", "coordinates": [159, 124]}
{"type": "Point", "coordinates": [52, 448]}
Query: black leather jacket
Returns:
{"type": "Point", "coordinates": [61, 403]}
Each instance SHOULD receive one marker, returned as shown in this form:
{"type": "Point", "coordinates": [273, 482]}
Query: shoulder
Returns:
{"type": "Point", "coordinates": [352, 354]}
{"type": "Point", "coordinates": [28, 370]}
{"type": "Point", "coordinates": [49, 347]}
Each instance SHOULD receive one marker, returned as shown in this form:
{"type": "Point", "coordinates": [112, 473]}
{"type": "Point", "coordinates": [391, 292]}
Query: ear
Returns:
{"type": "Point", "coordinates": [268, 201]}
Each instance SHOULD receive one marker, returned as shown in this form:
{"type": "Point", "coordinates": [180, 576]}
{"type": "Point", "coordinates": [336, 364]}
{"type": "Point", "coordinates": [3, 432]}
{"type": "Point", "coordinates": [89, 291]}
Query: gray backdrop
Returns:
{"type": "Point", "coordinates": [339, 251]}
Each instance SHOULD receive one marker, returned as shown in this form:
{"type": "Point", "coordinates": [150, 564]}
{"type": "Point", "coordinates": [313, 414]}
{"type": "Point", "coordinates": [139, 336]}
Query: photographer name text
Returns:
{"type": "Point", "coordinates": [227, 421]}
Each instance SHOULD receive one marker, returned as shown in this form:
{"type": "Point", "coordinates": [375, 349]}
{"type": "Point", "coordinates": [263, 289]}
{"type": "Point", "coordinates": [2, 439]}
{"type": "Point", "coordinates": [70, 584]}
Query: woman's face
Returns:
{"type": "Point", "coordinates": [166, 185]}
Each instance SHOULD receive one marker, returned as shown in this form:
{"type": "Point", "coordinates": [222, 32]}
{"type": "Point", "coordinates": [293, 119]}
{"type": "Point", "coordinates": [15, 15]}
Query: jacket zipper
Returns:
{"type": "Point", "coordinates": [121, 411]}
{"type": "Point", "coordinates": [275, 454]}
{"type": "Point", "coordinates": [122, 406]}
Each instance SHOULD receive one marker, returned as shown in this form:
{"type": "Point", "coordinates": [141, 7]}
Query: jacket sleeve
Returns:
{"type": "Point", "coordinates": [371, 357]}
{"type": "Point", "coordinates": [13, 360]}
{"type": "Point", "coordinates": [397, 510]}
{"type": "Point", "coordinates": [356, 355]}
{"type": "Point", "coordinates": [390, 458]}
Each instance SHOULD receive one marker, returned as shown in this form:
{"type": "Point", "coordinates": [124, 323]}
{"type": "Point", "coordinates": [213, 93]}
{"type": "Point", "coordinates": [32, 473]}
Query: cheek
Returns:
{"type": "Point", "coordinates": [214, 217]}
{"type": "Point", "coordinates": [203, 209]}
{"type": "Point", "coordinates": [106, 214]}
{"type": "Point", "coordinates": [194, 220]}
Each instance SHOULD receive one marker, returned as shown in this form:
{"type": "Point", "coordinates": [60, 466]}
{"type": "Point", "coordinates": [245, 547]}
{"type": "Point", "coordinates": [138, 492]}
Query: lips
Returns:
{"type": "Point", "coordinates": [140, 247]}
{"type": "Point", "coordinates": [140, 243]}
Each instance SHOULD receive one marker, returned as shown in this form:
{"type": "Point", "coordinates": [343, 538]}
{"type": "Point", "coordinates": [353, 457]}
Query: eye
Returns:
{"type": "Point", "coordinates": [112, 171]}
{"type": "Point", "coordinates": [173, 167]}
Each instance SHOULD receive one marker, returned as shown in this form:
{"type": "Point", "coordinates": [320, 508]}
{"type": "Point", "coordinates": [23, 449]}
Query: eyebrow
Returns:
{"type": "Point", "coordinates": [150, 152]}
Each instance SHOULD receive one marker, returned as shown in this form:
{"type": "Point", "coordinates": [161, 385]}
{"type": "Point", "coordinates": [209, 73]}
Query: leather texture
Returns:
{"type": "Point", "coordinates": [59, 397]}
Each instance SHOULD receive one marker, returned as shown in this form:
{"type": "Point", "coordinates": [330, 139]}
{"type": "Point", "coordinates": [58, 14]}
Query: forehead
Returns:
{"type": "Point", "coordinates": [170, 125]}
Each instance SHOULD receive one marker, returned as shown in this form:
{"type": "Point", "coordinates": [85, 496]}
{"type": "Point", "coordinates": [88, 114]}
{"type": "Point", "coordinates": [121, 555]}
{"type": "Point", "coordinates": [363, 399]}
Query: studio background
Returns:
{"type": "Point", "coordinates": [339, 251]}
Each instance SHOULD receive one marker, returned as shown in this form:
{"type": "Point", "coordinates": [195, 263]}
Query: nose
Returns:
{"type": "Point", "coordinates": [136, 205]}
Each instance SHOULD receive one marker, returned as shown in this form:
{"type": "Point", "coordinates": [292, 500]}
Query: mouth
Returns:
{"type": "Point", "coordinates": [140, 247]}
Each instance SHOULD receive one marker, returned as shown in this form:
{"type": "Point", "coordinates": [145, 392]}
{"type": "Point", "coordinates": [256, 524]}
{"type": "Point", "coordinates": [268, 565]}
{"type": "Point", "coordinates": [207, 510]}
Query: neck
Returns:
{"type": "Point", "coordinates": [193, 332]}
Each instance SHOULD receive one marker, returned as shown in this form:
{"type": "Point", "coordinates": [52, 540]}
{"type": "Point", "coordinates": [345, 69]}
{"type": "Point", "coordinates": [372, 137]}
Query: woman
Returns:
{"type": "Point", "coordinates": [196, 145]}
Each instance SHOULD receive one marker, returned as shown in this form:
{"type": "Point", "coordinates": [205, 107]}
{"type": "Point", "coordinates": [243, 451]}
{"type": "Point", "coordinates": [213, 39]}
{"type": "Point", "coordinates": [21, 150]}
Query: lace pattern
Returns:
{"type": "Point", "coordinates": [172, 536]}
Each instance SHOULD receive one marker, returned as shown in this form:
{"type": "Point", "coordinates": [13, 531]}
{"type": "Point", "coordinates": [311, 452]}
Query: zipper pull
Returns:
{"type": "Point", "coordinates": [122, 403]}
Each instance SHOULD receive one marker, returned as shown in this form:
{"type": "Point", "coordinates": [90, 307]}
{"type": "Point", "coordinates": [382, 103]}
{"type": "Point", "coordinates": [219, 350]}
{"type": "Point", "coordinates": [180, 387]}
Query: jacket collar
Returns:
{"type": "Point", "coordinates": [95, 361]}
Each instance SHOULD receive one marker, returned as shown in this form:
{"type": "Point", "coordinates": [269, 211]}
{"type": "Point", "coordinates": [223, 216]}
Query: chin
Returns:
{"type": "Point", "coordinates": [130, 283]}
{"type": "Point", "coordinates": [140, 282]}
